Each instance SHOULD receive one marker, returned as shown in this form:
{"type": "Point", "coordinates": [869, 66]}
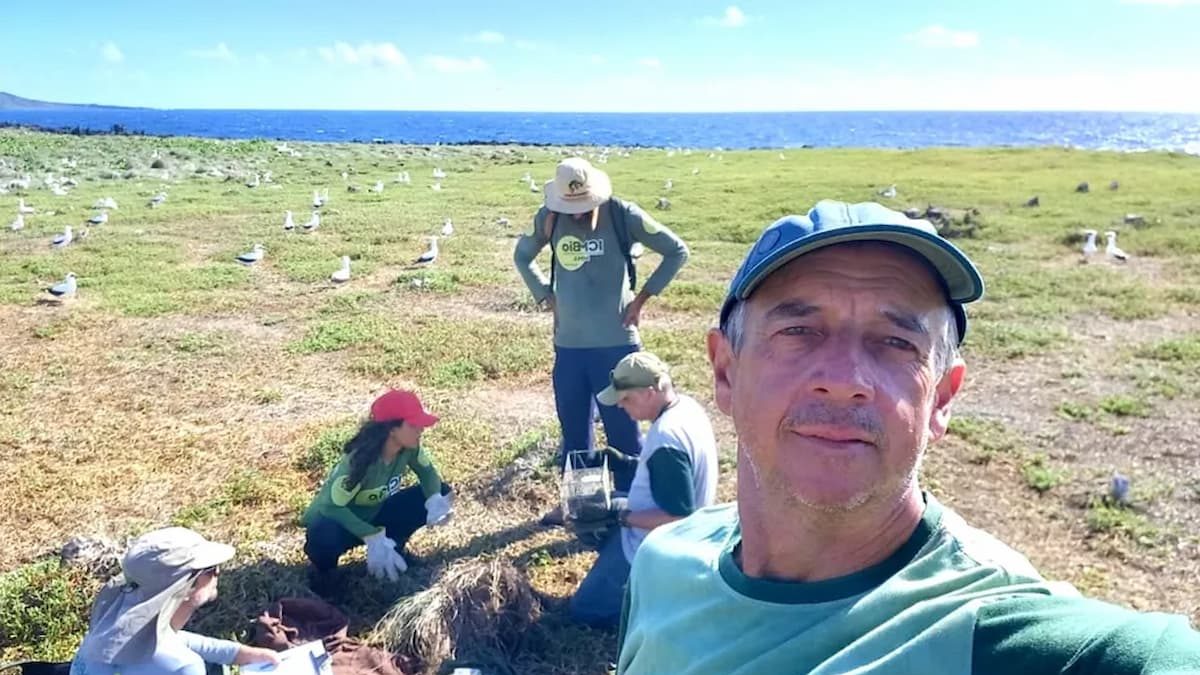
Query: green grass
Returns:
{"type": "Point", "coordinates": [249, 487]}
{"type": "Point", "coordinates": [326, 450]}
{"type": "Point", "coordinates": [1105, 517]}
{"type": "Point", "coordinates": [45, 604]}
{"type": "Point", "coordinates": [1125, 406]}
{"type": "Point", "coordinates": [1039, 475]}
{"type": "Point", "coordinates": [988, 437]}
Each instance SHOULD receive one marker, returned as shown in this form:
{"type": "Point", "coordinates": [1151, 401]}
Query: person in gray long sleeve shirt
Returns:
{"type": "Point", "coordinates": [596, 312]}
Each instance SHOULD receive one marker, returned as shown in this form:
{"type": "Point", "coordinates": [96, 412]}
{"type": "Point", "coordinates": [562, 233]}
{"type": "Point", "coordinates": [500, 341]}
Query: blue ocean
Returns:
{"type": "Point", "coordinates": [1088, 130]}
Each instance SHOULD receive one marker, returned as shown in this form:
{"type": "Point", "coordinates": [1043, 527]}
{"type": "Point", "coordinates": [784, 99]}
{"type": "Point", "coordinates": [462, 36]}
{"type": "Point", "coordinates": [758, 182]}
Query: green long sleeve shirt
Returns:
{"type": "Point", "coordinates": [590, 277]}
{"type": "Point", "coordinates": [355, 506]}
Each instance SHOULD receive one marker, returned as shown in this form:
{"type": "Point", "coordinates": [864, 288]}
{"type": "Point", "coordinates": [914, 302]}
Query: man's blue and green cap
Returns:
{"type": "Point", "coordinates": [832, 222]}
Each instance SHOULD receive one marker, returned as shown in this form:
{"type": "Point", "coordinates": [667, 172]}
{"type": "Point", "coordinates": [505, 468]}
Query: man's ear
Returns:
{"type": "Point", "coordinates": [724, 366]}
{"type": "Point", "coordinates": [947, 388]}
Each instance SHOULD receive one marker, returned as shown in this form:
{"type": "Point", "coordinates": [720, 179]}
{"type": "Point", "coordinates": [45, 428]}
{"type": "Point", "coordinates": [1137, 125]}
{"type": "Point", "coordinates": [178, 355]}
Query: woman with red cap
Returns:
{"type": "Point", "coordinates": [361, 501]}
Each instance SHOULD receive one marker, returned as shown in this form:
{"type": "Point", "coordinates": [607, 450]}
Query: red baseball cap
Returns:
{"type": "Point", "coordinates": [401, 405]}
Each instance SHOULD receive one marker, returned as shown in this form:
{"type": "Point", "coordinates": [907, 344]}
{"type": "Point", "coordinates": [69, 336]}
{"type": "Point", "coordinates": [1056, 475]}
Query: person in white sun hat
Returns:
{"type": "Point", "coordinates": [591, 290]}
{"type": "Point", "coordinates": [136, 625]}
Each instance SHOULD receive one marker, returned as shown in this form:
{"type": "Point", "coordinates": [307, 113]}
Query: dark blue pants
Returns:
{"type": "Point", "coordinates": [597, 603]}
{"type": "Point", "coordinates": [400, 516]}
{"type": "Point", "coordinates": [580, 374]}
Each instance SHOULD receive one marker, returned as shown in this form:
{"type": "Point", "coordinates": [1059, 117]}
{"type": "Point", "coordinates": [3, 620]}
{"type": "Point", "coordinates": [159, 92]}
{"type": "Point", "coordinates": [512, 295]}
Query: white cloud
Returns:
{"type": "Point", "coordinates": [374, 54]}
{"type": "Point", "coordinates": [732, 18]}
{"type": "Point", "coordinates": [221, 52]}
{"type": "Point", "coordinates": [111, 52]}
{"type": "Point", "coordinates": [450, 64]}
{"type": "Point", "coordinates": [1162, 3]}
{"type": "Point", "coordinates": [650, 62]}
{"type": "Point", "coordinates": [937, 36]}
{"type": "Point", "coordinates": [524, 44]}
{"type": "Point", "coordinates": [487, 37]}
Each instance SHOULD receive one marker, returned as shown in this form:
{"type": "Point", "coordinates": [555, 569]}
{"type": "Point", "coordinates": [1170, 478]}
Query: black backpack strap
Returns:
{"type": "Point", "coordinates": [548, 225]}
{"type": "Point", "coordinates": [617, 215]}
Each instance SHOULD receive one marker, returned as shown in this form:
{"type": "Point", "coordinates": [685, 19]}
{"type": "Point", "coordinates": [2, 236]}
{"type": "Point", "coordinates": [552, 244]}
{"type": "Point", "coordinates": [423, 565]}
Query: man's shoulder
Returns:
{"type": "Point", "coordinates": [687, 415]}
{"type": "Point", "coordinates": [703, 534]}
{"type": "Point", "coordinates": [984, 549]}
{"type": "Point", "coordinates": [1070, 634]}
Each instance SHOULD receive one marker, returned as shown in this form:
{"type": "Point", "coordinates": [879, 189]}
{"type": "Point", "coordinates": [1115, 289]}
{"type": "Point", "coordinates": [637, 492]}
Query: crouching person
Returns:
{"type": "Point", "coordinates": [361, 502]}
{"type": "Point", "coordinates": [675, 475]}
{"type": "Point", "coordinates": [136, 625]}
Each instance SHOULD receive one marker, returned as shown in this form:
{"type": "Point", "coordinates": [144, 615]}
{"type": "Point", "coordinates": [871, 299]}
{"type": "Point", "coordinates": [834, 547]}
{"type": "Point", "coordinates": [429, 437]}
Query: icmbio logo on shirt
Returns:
{"type": "Point", "coordinates": [572, 252]}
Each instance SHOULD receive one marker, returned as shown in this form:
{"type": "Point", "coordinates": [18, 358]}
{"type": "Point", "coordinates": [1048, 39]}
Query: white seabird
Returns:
{"type": "Point", "coordinates": [1089, 246]}
{"type": "Point", "coordinates": [889, 192]}
{"type": "Point", "coordinates": [313, 223]}
{"type": "Point", "coordinates": [668, 184]}
{"type": "Point", "coordinates": [158, 199]}
{"type": "Point", "coordinates": [65, 288]}
{"type": "Point", "coordinates": [438, 173]}
{"type": "Point", "coordinates": [343, 274]}
{"type": "Point", "coordinates": [447, 228]}
{"type": "Point", "coordinates": [288, 223]}
{"type": "Point", "coordinates": [62, 240]}
{"type": "Point", "coordinates": [99, 219]}
{"type": "Point", "coordinates": [18, 223]}
{"type": "Point", "coordinates": [436, 187]}
{"type": "Point", "coordinates": [1111, 249]}
{"type": "Point", "coordinates": [252, 256]}
{"type": "Point", "coordinates": [430, 253]}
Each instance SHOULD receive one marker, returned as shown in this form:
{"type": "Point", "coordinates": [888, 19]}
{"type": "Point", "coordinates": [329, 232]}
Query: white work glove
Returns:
{"type": "Point", "coordinates": [383, 560]}
{"type": "Point", "coordinates": [438, 510]}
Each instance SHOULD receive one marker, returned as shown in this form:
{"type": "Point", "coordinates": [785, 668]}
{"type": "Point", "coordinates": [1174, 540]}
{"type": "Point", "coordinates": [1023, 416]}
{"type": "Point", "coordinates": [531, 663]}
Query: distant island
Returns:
{"type": "Point", "coordinates": [13, 102]}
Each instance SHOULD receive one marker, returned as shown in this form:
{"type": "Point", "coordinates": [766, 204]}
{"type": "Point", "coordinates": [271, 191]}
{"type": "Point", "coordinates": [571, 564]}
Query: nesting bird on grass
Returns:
{"type": "Point", "coordinates": [288, 223]}
{"type": "Point", "coordinates": [502, 221]}
{"type": "Point", "coordinates": [438, 173]}
{"type": "Point", "coordinates": [533, 186]}
{"type": "Point", "coordinates": [106, 203]}
{"type": "Point", "coordinates": [436, 187]}
{"type": "Point", "coordinates": [668, 184]}
{"type": "Point", "coordinates": [1111, 249]}
{"type": "Point", "coordinates": [63, 240]}
{"type": "Point", "coordinates": [158, 200]}
{"type": "Point", "coordinates": [317, 201]}
{"type": "Point", "coordinates": [254, 182]}
{"type": "Point", "coordinates": [313, 223]}
{"type": "Point", "coordinates": [430, 253]}
{"type": "Point", "coordinates": [342, 275]}
{"type": "Point", "coordinates": [447, 228]}
{"type": "Point", "coordinates": [663, 203]}
{"type": "Point", "coordinates": [252, 256]}
{"type": "Point", "coordinates": [889, 192]}
{"type": "Point", "coordinates": [1089, 246]}
{"type": "Point", "coordinates": [65, 288]}
{"type": "Point", "coordinates": [696, 171]}
{"type": "Point", "coordinates": [99, 219]}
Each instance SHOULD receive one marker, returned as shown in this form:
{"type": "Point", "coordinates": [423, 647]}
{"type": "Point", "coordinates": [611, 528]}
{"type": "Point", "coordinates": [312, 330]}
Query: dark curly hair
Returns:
{"type": "Point", "coordinates": [366, 446]}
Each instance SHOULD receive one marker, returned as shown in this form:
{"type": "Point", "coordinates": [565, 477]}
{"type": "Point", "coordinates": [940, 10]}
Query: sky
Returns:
{"type": "Point", "coordinates": [614, 55]}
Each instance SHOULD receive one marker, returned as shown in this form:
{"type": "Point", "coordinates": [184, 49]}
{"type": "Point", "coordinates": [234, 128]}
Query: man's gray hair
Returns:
{"type": "Point", "coordinates": [945, 345]}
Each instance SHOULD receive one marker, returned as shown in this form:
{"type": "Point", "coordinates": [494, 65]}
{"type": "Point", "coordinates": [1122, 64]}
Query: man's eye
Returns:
{"type": "Point", "coordinates": [900, 343]}
{"type": "Point", "coordinates": [798, 330]}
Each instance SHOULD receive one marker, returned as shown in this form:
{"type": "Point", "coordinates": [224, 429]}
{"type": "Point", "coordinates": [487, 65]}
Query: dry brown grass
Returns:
{"type": "Point", "coordinates": [476, 610]}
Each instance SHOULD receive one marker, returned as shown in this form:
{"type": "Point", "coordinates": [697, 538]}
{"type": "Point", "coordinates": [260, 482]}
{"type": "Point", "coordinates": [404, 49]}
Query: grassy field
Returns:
{"type": "Point", "coordinates": [181, 387]}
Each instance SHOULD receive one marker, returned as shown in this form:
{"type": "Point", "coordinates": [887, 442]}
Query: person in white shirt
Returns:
{"type": "Point", "coordinates": [675, 474]}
